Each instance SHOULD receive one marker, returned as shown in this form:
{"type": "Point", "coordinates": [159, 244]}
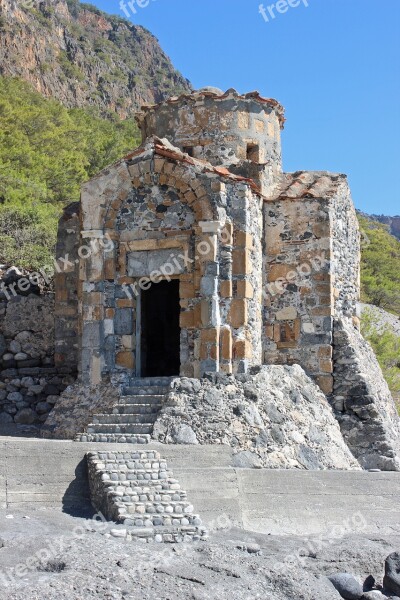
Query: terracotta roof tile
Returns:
{"type": "Point", "coordinates": [164, 148]}
{"type": "Point", "coordinates": [308, 184]}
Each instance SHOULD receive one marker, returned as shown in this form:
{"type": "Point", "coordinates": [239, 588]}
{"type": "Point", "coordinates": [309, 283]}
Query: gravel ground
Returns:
{"type": "Point", "coordinates": [49, 555]}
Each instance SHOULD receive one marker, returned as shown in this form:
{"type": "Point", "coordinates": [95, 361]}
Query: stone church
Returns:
{"type": "Point", "coordinates": [196, 255]}
{"type": "Point", "coordinates": [219, 261]}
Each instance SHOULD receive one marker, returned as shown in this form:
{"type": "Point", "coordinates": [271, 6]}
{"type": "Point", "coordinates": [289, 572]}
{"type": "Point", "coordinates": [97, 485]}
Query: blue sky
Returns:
{"type": "Point", "coordinates": [334, 65]}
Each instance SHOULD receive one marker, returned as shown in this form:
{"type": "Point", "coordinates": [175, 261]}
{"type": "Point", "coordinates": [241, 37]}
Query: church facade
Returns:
{"type": "Point", "coordinates": [204, 256]}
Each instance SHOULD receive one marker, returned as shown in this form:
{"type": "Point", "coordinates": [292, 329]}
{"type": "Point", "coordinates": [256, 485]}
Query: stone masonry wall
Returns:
{"type": "Point", "coordinates": [297, 288]}
{"type": "Point", "coordinates": [66, 289]}
{"type": "Point", "coordinates": [362, 401]}
{"type": "Point", "coordinates": [223, 129]}
{"type": "Point", "coordinates": [30, 384]}
{"type": "Point", "coordinates": [346, 254]}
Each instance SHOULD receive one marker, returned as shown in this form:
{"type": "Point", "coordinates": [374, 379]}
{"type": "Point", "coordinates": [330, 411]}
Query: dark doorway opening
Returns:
{"type": "Point", "coordinates": [160, 331]}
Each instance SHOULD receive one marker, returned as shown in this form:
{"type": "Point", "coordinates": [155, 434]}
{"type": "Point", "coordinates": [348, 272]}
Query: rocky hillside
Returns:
{"type": "Point", "coordinates": [392, 223]}
{"type": "Point", "coordinates": [83, 57]}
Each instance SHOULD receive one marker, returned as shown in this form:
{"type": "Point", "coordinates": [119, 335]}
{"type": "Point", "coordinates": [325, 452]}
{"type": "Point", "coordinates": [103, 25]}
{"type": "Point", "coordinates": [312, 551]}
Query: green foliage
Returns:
{"type": "Point", "coordinates": [380, 267]}
{"type": "Point", "coordinates": [386, 345]}
{"type": "Point", "coordinates": [46, 152]}
{"type": "Point", "coordinates": [28, 234]}
{"type": "Point", "coordinates": [71, 70]}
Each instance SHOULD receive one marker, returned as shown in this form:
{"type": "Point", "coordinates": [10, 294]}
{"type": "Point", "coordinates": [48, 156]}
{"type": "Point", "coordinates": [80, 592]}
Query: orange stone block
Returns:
{"type": "Point", "coordinates": [125, 303]}
{"type": "Point", "coordinates": [269, 331]}
{"type": "Point", "coordinates": [244, 289]}
{"type": "Point", "coordinates": [125, 359]}
{"type": "Point", "coordinates": [326, 365]}
{"type": "Point", "coordinates": [210, 335]}
{"type": "Point", "coordinates": [238, 313]}
{"type": "Point", "coordinates": [226, 344]}
{"type": "Point", "coordinates": [325, 382]}
{"type": "Point", "coordinates": [279, 271]}
{"type": "Point", "coordinates": [225, 289]}
{"type": "Point", "coordinates": [109, 269]}
{"type": "Point", "coordinates": [241, 264]}
{"type": "Point", "coordinates": [242, 349]}
{"type": "Point", "coordinates": [243, 239]}
{"type": "Point", "coordinates": [214, 351]}
{"type": "Point", "coordinates": [186, 319]}
{"type": "Point", "coordinates": [186, 290]}
{"type": "Point", "coordinates": [325, 352]}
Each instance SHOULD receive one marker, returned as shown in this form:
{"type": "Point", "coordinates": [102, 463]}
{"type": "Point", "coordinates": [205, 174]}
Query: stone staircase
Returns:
{"type": "Point", "coordinates": [140, 493]}
{"type": "Point", "coordinates": [132, 419]}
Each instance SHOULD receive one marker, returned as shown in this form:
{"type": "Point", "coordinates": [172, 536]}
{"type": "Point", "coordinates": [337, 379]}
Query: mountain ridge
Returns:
{"type": "Point", "coordinates": [84, 57]}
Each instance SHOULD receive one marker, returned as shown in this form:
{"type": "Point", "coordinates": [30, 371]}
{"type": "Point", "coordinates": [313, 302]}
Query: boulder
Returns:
{"type": "Point", "coordinates": [185, 435]}
{"type": "Point", "coordinates": [26, 416]}
{"type": "Point", "coordinates": [246, 460]}
{"type": "Point", "coordinates": [347, 586]}
{"type": "Point", "coordinates": [5, 418]}
{"type": "Point", "coordinates": [391, 581]}
{"type": "Point", "coordinates": [3, 345]}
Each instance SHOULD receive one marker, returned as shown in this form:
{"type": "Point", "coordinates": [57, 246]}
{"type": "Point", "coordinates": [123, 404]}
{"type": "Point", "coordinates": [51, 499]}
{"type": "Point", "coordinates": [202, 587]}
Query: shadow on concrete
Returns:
{"type": "Point", "coordinates": [76, 500]}
{"type": "Point", "coordinates": [20, 431]}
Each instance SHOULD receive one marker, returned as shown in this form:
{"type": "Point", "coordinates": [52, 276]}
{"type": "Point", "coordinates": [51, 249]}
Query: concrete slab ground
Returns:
{"type": "Point", "coordinates": [37, 473]}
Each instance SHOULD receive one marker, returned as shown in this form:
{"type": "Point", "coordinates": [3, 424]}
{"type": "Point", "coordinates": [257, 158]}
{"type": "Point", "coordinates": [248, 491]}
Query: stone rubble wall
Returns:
{"type": "Point", "coordinates": [76, 407]}
{"type": "Point", "coordinates": [362, 401]}
{"type": "Point", "coordinates": [30, 384]}
{"type": "Point", "coordinates": [346, 254]}
{"type": "Point", "coordinates": [276, 418]}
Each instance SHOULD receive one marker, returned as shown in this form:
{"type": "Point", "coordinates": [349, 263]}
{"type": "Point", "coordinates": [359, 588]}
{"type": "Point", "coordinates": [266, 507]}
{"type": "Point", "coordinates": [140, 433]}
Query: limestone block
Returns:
{"type": "Point", "coordinates": [287, 313]}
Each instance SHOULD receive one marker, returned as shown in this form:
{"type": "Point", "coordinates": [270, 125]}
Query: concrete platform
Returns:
{"type": "Point", "coordinates": [48, 473]}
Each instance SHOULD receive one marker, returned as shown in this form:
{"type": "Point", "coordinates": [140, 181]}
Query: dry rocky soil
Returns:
{"type": "Point", "coordinates": [49, 555]}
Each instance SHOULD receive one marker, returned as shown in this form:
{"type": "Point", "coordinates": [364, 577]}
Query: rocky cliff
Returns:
{"type": "Point", "coordinates": [83, 57]}
{"type": "Point", "coordinates": [392, 222]}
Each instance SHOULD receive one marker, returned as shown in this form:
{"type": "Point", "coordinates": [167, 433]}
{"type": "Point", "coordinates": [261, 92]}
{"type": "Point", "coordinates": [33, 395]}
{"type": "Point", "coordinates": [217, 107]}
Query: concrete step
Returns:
{"type": "Point", "coordinates": [150, 381]}
{"type": "Point", "coordinates": [114, 438]}
{"type": "Point", "coordinates": [124, 419]}
{"type": "Point", "coordinates": [167, 535]}
{"type": "Point", "coordinates": [145, 390]}
{"type": "Point", "coordinates": [146, 399]}
{"type": "Point", "coordinates": [180, 507]}
{"type": "Point", "coordinates": [131, 467]}
{"type": "Point", "coordinates": [139, 455]}
{"type": "Point", "coordinates": [137, 409]}
{"type": "Point", "coordinates": [111, 428]}
{"type": "Point", "coordinates": [147, 486]}
{"type": "Point", "coordinates": [137, 519]}
{"type": "Point", "coordinates": [155, 496]}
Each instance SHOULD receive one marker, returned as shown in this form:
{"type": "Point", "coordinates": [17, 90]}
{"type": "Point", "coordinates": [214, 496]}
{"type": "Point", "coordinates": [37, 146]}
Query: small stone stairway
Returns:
{"type": "Point", "coordinates": [132, 419]}
{"type": "Point", "coordinates": [140, 493]}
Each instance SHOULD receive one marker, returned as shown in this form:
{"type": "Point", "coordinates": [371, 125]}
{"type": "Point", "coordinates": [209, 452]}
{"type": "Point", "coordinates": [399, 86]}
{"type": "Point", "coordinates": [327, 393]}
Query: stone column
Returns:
{"type": "Point", "coordinates": [206, 252]}
{"type": "Point", "coordinates": [91, 255]}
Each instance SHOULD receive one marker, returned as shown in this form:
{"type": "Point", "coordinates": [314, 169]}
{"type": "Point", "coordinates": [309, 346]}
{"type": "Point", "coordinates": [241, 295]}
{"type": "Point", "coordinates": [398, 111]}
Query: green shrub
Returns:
{"type": "Point", "coordinates": [46, 152]}
{"type": "Point", "coordinates": [386, 345]}
{"type": "Point", "coordinates": [380, 267]}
